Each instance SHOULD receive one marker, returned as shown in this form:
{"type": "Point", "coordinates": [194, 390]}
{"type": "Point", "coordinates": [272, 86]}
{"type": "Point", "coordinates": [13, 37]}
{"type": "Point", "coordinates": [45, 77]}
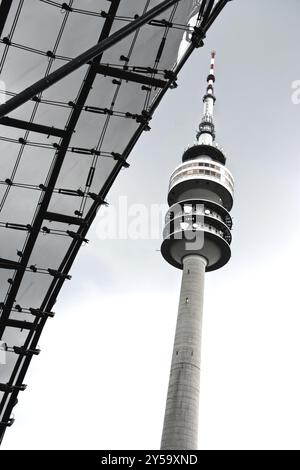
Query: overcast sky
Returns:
{"type": "Point", "coordinates": [101, 379]}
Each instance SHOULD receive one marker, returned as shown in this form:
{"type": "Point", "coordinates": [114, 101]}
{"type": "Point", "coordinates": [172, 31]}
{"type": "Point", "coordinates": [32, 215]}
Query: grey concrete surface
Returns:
{"type": "Point", "coordinates": [180, 429]}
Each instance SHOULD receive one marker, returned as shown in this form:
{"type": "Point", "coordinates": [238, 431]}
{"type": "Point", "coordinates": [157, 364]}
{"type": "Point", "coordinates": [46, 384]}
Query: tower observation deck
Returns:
{"type": "Point", "coordinates": [196, 239]}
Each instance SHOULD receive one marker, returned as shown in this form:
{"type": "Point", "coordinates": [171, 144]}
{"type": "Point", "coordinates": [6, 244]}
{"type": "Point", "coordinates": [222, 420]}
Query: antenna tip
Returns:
{"type": "Point", "coordinates": [213, 54]}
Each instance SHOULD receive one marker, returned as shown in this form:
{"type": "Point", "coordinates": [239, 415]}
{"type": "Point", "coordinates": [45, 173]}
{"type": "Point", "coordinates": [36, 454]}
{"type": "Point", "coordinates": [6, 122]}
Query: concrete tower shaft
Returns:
{"type": "Point", "coordinates": [196, 238]}
{"type": "Point", "coordinates": [180, 430]}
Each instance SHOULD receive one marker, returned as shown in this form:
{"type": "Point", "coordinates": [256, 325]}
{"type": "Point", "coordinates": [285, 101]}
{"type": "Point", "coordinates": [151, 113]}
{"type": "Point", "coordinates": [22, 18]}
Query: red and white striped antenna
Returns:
{"type": "Point", "coordinates": [212, 63]}
{"type": "Point", "coordinates": [206, 134]}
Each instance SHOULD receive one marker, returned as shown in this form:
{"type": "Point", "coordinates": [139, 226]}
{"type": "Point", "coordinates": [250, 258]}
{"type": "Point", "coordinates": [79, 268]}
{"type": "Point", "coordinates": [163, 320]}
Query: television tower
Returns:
{"type": "Point", "coordinates": [196, 239]}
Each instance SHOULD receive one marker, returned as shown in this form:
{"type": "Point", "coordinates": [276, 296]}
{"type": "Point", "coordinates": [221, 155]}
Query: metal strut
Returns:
{"type": "Point", "coordinates": [4, 11]}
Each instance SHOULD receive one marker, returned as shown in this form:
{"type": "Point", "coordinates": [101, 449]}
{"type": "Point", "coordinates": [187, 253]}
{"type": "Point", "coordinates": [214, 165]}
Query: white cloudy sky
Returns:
{"type": "Point", "coordinates": [101, 379]}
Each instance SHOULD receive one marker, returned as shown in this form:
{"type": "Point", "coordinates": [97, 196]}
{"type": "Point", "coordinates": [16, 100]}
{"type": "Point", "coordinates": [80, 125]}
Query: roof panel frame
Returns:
{"type": "Point", "coordinates": [92, 53]}
{"type": "Point", "coordinates": [7, 402]}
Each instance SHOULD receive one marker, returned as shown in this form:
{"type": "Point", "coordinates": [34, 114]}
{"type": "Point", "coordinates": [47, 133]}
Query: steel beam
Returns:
{"type": "Point", "coordinates": [22, 325]}
{"type": "Point", "coordinates": [31, 126]}
{"type": "Point", "coordinates": [129, 76]}
{"type": "Point", "coordinates": [216, 11]}
{"type": "Point", "coordinates": [4, 11]}
{"type": "Point", "coordinates": [208, 9]}
{"type": "Point", "coordinates": [9, 264]}
{"type": "Point", "coordinates": [66, 219]}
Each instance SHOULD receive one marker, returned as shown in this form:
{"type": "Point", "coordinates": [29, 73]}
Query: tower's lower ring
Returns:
{"type": "Point", "coordinates": [201, 242]}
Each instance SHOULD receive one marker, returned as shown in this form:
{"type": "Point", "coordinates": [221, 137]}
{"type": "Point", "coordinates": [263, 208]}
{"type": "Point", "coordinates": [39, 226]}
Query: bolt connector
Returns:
{"type": "Point", "coordinates": [198, 36]}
